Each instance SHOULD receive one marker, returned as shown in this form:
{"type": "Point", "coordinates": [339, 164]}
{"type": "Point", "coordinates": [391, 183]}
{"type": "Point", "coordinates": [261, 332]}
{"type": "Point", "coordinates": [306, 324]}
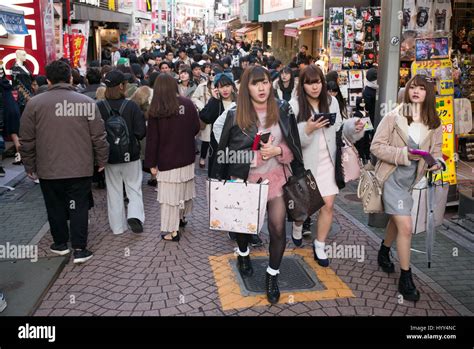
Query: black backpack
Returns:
{"type": "Point", "coordinates": [117, 134]}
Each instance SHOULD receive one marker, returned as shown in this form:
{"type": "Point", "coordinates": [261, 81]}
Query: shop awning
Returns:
{"type": "Point", "coordinates": [12, 21]}
{"type": "Point", "coordinates": [246, 29]}
{"type": "Point", "coordinates": [89, 13]}
{"type": "Point", "coordinates": [292, 29]}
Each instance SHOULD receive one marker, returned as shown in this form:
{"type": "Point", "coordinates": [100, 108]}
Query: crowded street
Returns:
{"type": "Point", "coordinates": [237, 158]}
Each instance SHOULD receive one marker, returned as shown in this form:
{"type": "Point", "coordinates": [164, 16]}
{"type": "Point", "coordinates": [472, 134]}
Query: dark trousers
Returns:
{"type": "Point", "coordinates": [68, 199]}
{"type": "Point", "coordinates": [204, 149]}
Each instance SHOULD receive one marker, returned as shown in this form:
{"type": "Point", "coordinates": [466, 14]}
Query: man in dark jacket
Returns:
{"type": "Point", "coordinates": [93, 77]}
{"type": "Point", "coordinates": [124, 166]}
{"type": "Point", "coordinates": [62, 136]}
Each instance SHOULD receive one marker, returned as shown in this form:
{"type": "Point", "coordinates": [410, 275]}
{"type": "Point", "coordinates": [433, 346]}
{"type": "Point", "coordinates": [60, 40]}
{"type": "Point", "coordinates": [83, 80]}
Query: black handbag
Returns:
{"type": "Point", "coordinates": [302, 196]}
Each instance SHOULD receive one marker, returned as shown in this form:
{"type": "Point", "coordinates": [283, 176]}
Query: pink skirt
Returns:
{"type": "Point", "coordinates": [326, 173]}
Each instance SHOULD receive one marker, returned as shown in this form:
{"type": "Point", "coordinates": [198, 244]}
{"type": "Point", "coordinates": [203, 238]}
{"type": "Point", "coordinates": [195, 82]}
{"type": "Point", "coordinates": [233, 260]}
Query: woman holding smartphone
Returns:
{"type": "Point", "coordinates": [200, 98]}
{"type": "Point", "coordinates": [223, 97]}
{"type": "Point", "coordinates": [318, 141]}
{"type": "Point", "coordinates": [258, 111]}
{"type": "Point", "coordinates": [413, 125]}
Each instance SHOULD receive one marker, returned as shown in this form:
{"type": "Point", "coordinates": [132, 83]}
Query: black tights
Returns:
{"type": "Point", "coordinates": [276, 227]}
{"type": "Point", "coordinates": [204, 149]}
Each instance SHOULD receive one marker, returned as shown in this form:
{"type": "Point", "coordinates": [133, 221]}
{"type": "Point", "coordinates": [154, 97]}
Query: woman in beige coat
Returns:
{"type": "Point", "coordinates": [413, 125]}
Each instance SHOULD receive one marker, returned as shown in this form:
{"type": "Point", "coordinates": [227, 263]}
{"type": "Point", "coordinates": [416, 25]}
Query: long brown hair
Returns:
{"type": "Point", "coordinates": [429, 116]}
{"type": "Point", "coordinates": [246, 116]}
{"type": "Point", "coordinates": [116, 92]}
{"type": "Point", "coordinates": [165, 101]}
{"type": "Point", "coordinates": [310, 75]}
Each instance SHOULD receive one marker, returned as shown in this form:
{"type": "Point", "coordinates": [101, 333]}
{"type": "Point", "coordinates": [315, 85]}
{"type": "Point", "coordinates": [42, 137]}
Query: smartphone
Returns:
{"type": "Point", "coordinates": [426, 156]}
{"type": "Point", "coordinates": [260, 137]}
{"type": "Point", "coordinates": [326, 116]}
{"type": "Point", "coordinates": [264, 137]}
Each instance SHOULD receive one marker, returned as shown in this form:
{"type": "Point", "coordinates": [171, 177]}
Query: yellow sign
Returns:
{"type": "Point", "coordinates": [441, 70]}
{"type": "Point", "coordinates": [111, 5]}
{"type": "Point", "coordinates": [445, 109]}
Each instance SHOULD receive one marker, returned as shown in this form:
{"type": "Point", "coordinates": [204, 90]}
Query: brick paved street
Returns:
{"type": "Point", "coordinates": [142, 275]}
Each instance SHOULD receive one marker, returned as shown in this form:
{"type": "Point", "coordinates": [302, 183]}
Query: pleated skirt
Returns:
{"type": "Point", "coordinates": [176, 191]}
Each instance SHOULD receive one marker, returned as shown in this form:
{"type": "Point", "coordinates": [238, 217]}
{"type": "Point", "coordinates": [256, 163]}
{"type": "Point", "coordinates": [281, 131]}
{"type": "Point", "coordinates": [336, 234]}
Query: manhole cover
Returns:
{"type": "Point", "coordinates": [295, 275]}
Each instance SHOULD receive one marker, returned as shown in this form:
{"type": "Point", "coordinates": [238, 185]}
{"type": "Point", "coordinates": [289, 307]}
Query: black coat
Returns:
{"type": "Point", "coordinates": [209, 114]}
{"type": "Point", "coordinates": [236, 139]}
{"type": "Point", "coordinates": [11, 112]}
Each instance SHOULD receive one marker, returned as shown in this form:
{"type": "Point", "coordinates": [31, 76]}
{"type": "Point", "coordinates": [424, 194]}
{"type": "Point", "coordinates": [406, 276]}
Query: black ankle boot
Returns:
{"type": "Point", "coordinates": [245, 266]}
{"type": "Point", "coordinates": [384, 259]}
{"type": "Point", "coordinates": [271, 285]}
{"type": "Point", "coordinates": [407, 287]}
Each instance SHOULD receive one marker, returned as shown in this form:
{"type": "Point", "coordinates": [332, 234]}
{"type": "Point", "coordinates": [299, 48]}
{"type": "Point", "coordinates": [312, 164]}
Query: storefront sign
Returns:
{"type": "Point", "coordinates": [14, 23]}
{"type": "Point", "coordinates": [445, 109]}
{"type": "Point", "coordinates": [77, 46]}
{"type": "Point", "coordinates": [440, 70]}
{"type": "Point", "coordinates": [125, 5]}
{"type": "Point", "coordinates": [49, 35]}
{"type": "Point", "coordinates": [34, 43]}
{"type": "Point", "coordinates": [58, 30]}
{"type": "Point", "coordinates": [276, 5]}
{"type": "Point", "coordinates": [291, 32]}
{"type": "Point", "coordinates": [82, 28]}
{"type": "Point", "coordinates": [91, 2]}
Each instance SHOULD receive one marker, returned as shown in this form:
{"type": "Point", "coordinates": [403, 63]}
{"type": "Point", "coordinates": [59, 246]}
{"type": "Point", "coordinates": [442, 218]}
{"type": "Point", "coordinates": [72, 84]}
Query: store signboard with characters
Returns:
{"type": "Point", "coordinates": [445, 109]}
{"type": "Point", "coordinates": [440, 70]}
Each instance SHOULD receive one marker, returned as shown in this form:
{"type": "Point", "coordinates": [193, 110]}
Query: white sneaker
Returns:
{"type": "Point", "coordinates": [3, 302]}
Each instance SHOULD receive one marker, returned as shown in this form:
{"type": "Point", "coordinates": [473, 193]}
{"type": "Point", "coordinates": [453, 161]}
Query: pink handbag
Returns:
{"type": "Point", "coordinates": [350, 161]}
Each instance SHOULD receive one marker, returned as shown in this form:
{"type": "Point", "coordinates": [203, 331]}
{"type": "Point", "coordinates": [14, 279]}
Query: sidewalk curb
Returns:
{"type": "Point", "coordinates": [461, 309]}
{"type": "Point", "coordinates": [460, 236]}
{"type": "Point", "coordinates": [12, 183]}
{"type": "Point", "coordinates": [39, 235]}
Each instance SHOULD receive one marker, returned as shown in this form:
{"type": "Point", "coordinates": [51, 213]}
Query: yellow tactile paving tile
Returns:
{"type": "Point", "coordinates": [231, 297]}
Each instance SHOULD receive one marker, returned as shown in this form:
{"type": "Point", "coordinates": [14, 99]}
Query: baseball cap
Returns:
{"type": "Point", "coordinates": [115, 78]}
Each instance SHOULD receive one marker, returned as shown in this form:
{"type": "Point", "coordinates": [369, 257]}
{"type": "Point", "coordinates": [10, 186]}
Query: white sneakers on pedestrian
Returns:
{"type": "Point", "coordinates": [3, 302]}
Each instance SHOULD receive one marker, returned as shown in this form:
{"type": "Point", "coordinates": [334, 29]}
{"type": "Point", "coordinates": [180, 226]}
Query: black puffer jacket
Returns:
{"type": "Point", "coordinates": [236, 139]}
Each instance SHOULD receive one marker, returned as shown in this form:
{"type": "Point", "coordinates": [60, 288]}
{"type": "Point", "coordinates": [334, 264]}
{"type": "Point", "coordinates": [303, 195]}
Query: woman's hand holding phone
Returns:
{"type": "Point", "coordinates": [268, 150]}
{"type": "Point", "coordinates": [313, 125]}
{"type": "Point", "coordinates": [413, 157]}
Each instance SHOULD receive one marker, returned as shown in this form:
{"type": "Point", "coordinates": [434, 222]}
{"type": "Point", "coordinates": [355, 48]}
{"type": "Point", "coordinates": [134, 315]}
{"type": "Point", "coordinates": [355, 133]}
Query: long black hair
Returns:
{"type": "Point", "coordinates": [291, 86]}
{"type": "Point", "coordinates": [309, 75]}
{"type": "Point", "coordinates": [332, 86]}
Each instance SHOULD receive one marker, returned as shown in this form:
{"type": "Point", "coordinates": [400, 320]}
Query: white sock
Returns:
{"type": "Point", "coordinates": [297, 231]}
{"type": "Point", "coordinates": [319, 246]}
{"type": "Point", "coordinates": [273, 272]}
{"type": "Point", "coordinates": [243, 254]}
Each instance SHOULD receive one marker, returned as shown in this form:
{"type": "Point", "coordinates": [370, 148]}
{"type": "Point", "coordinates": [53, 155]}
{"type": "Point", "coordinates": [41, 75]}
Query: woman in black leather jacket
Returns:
{"type": "Point", "coordinates": [258, 111]}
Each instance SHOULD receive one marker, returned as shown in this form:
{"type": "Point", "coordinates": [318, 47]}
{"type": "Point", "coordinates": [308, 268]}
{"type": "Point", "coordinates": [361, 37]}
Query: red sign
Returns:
{"type": "Point", "coordinates": [77, 45]}
{"type": "Point", "coordinates": [34, 43]}
{"type": "Point", "coordinates": [291, 32]}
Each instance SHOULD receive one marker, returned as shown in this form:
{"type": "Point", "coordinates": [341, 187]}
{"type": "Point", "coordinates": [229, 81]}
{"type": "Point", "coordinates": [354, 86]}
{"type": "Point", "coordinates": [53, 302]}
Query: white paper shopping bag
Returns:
{"type": "Point", "coordinates": [236, 206]}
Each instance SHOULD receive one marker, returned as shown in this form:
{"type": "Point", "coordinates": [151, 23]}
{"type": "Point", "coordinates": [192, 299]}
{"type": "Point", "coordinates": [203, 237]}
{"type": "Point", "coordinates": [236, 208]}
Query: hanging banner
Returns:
{"type": "Point", "coordinates": [445, 109]}
{"type": "Point", "coordinates": [77, 46]}
{"type": "Point", "coordinates": [82, 28]}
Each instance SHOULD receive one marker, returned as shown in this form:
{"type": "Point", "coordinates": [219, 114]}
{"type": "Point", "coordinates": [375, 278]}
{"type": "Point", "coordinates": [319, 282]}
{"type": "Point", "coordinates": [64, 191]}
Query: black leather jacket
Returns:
{"type": "Point", "coordinates": [235, 139]}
